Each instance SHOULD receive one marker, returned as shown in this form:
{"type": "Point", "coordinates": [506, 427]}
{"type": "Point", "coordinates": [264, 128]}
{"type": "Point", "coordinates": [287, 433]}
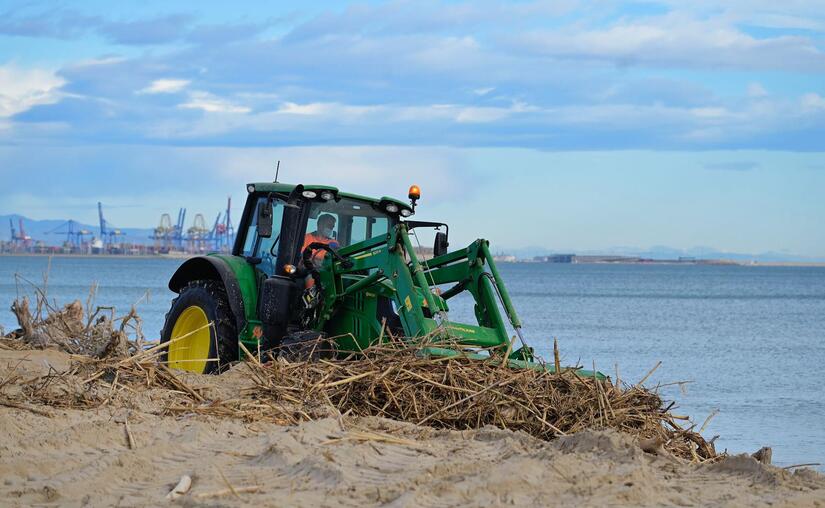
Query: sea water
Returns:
{"type": "Point", "coordinates": [750, 340]}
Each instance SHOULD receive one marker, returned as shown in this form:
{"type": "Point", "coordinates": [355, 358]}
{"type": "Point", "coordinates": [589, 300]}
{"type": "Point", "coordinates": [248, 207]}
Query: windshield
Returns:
{"type": "Point", "coordinates": [347, 221]}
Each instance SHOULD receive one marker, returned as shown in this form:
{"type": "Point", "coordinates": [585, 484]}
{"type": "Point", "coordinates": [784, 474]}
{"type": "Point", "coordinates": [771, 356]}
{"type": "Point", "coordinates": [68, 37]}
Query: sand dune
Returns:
{"type": "Point", "coordinates": [77, 458]}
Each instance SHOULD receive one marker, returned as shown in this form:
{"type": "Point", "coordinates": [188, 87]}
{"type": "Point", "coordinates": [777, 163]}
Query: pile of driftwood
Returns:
{"type": "Point", "coordinates": [91, 330]}
{"type": "Point", "coordinates": [394, 380]}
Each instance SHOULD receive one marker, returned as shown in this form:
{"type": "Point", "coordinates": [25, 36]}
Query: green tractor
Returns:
{"type": "Point", "coordinates": [282, 288]}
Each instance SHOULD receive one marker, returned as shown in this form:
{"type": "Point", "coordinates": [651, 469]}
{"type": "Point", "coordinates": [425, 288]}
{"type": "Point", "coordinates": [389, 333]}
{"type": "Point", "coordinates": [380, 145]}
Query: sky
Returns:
{"type": "Point", "coordinates": [571, 125]}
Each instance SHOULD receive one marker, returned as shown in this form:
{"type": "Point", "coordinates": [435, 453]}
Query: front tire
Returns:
{"type": "Point", "coordinates": [200, 329]}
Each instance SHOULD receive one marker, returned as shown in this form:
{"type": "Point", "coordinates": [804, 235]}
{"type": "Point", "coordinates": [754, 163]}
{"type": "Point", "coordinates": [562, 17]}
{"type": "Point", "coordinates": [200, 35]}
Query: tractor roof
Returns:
{"type": "Point", "coordinates": [286, 188]}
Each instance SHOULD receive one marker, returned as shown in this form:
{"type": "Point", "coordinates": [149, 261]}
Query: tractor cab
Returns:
{"type": "Point", "coordinates": [283, 223]}
{"type": "Point", "coordinates": [280, 219]}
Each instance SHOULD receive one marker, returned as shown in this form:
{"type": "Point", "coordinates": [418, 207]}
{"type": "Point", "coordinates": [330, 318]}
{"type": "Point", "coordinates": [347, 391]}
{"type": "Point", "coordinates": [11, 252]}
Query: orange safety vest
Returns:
{"type": "Point", "coordinates": [319, 255]}
{"type": "Point", "coordinates": [311, 238]}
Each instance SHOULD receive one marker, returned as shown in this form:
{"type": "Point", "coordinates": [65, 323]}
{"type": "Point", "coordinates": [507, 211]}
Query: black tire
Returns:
{"type": "Point", "coordinates": [306, 346]}
{"type": "Point", "coordinates": [210, 296]}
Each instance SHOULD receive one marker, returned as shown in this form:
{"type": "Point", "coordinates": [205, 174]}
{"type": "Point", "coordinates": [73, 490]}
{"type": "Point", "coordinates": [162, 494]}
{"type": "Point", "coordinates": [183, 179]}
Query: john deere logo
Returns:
{"type": "Point", "coordinates": [368, 254]}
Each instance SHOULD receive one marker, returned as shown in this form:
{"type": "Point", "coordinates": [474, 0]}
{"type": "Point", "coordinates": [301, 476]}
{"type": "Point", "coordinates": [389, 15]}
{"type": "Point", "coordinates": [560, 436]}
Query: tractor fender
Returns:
{"type": "Point", "coordinates": [212, 268]}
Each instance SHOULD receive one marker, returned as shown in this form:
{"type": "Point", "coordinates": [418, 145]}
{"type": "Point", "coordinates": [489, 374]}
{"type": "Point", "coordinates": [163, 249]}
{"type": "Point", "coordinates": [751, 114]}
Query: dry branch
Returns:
{"type": "Point", "coordinates": [460, 393]}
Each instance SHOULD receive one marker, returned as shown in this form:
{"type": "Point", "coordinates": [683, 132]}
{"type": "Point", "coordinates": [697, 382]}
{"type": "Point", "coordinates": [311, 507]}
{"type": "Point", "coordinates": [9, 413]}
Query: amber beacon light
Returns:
{"type": "Point", "coordinates": [415, 195]}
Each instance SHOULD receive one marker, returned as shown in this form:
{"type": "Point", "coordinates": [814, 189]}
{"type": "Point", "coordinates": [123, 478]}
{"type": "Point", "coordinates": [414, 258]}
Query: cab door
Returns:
{"type": "Point", "coordinates": [260, 250]}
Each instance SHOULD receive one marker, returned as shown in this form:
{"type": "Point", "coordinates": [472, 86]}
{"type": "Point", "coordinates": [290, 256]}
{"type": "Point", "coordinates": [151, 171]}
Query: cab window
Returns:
{"type": "Point", "coordinates": [364, 228]}
{"type": "Point", "coordinates": [355, 221]}
{"type": "Point", "coordinates": [265, 248]}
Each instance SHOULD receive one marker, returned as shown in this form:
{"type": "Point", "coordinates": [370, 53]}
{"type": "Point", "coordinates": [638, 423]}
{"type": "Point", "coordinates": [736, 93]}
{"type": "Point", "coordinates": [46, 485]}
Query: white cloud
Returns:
{"type": "Point", "coordinates": [783, 21]}
{"type": "Point", "coordinates": [676, 39]}
{"type": "Point", "coordinates": [91, 62]}
{"type": "Point", "coordinates": [345, 113]}
{"type": "Point", "coordinates": [710, 113]}
{"type": "Point", "coordinates": [491, 114]}
{"type": "Point", "coordinates": [210, 103]}
{"type": "Point", "coordinates": [813, 102]}
{"type": "Point", "coordinates": [481, 115]}
{"type": "Point", "coordinates": [447, 52]}
{"type": "Point", "coordinates": [793, 14]}
{"type": "Point", "coordinates": [342, 111]}
{"type": "Point", "coordinates": [21, 89]}
{"type": "Point", "coordinates": [165, 86]}
{"type": "Point", "coordinates": [757, 91]}
{"type": "Point", "coordinates": [412, 82]}
{"type": "Point", "coordinates": [324, 116]}
{"type": "Point", "coordinates": [710, 123]}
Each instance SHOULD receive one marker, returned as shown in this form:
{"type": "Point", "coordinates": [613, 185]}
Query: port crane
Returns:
{"type": "Point", "coordinates": [75, 233]}
{"type": "Point", "coordinates": [167, 236]}
{"type": "Point", "coordinates": [19, 238]}
{"type": "Point", "coordinates": [197, 236]}
{"type": "Point", "coordinates": [108, 233]}
{"type": "Point", "coordinates": [222, 235]}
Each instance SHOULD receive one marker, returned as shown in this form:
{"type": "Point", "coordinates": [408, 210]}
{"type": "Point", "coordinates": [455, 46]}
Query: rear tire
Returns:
{"type": "Point", "coordinates": [199, 347]}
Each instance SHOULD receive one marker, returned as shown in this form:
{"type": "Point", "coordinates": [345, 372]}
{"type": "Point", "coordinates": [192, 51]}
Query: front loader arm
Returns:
{"type": "Point", "coordinates": [388, 267]}
{"type": "Point", "coordinates": [392, 260]}
{"type": "Point", "coordinates": [382, 259]}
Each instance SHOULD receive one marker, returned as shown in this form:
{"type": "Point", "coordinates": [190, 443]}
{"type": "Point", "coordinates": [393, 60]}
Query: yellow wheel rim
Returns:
{"type": "Point", "coordinates": [190, 341]}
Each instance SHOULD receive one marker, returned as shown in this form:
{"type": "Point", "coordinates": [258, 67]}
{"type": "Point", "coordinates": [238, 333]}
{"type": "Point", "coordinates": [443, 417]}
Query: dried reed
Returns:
{"type": "Point", "coordinates": [394, 380]}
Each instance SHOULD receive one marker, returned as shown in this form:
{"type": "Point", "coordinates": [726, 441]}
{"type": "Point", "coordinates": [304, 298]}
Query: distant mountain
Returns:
{"type": "Point", "coordinates": [664, 252]}
{"type": "Point", "coordinates": [39, 230]}
{"type": "Point", "coordinates": [530, 252]}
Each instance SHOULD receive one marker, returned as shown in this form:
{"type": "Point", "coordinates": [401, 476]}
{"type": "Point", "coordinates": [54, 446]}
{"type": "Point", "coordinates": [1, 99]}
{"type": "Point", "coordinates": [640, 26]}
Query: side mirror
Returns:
{"type": "Point", "coordinates": [441, 244]}
{"type": "Point", "coordinates": [264, 223]}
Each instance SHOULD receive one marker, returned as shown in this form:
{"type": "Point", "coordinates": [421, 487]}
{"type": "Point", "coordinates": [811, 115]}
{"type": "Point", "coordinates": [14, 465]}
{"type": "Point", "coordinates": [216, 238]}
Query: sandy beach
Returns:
{"type": "Point", "coordinates": [394, 253]}
{"type": "Point", "coordinates": [135, 457]}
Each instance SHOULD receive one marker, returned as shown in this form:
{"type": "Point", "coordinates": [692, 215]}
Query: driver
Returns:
{"type": "Point", "coordinates": [324, 234]}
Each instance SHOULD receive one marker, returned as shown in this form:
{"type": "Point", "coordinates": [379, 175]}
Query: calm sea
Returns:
{"type": "Point", "coordinates": [750, 339]}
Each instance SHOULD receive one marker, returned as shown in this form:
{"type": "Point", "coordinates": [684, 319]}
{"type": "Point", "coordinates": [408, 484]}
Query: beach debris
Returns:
{"type": "Point", "coordinates": [709, 419]}
{"type": "Point", "coordinates": [25, 407]}
{"type": "Point", "coordinates": [130, 438]}
{"type": "Point", "coordinates": [654, 446]}
{"type": "Point", "coordinates": [75, 329]}
{"type": "Point", "coordinates": [764, 456]}
{"type": "Point", "coordinates": [227, 492]}
{"type": "Point", "coordinates": [181, 489]}
{"type": "Point", "coordinates": [228, 484]}
{"type": "Point", "coordinates": [396, 380]}
{"type": "Point", "coordinates": [800, 466]}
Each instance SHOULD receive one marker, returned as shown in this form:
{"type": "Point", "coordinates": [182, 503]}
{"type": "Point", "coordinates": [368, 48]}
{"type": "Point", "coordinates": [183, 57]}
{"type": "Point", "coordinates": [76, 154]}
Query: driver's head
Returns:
{"type": "Point", "coordinates": [326, 224]}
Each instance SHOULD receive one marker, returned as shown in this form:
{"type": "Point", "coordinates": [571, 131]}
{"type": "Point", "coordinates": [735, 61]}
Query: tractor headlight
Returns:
{"type": "Point", "coordinates": [392, 208]}
{"type": "Point", "coordinates": [310, 194]}
{"type": "Point", "coordinates": [250, 188]}
{"type": "Point", "coordinates": [405, 212]}
{"type": "Point", "coordinates": [327, 196]}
